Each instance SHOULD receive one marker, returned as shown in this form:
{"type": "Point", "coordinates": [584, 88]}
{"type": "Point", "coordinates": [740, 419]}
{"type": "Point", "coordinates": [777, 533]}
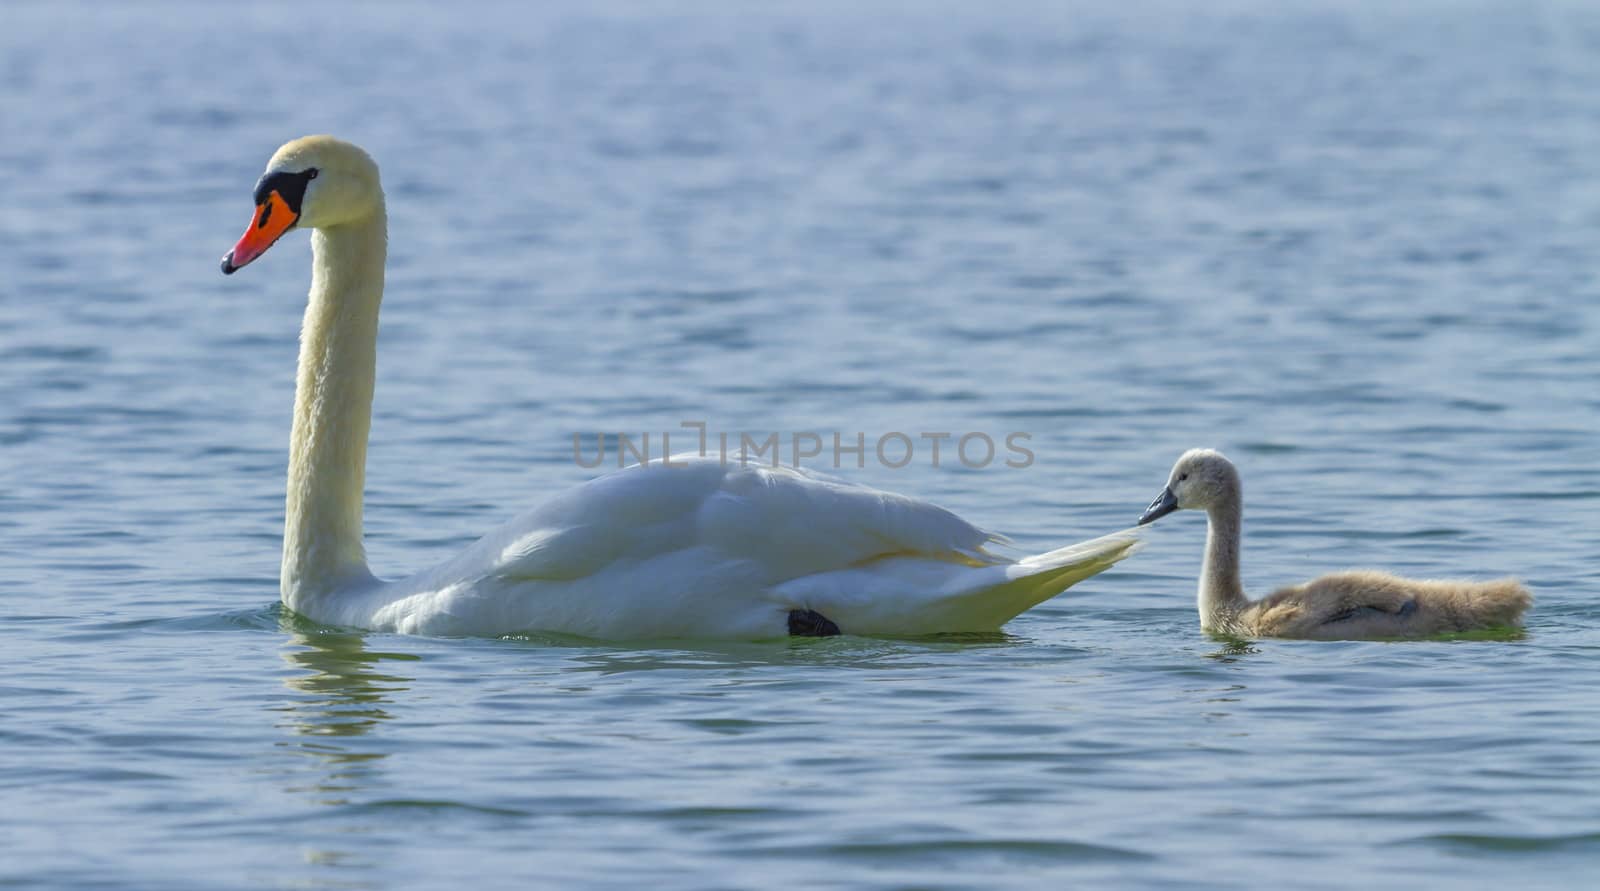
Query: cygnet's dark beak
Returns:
{"type": "Point", "coordinates": [1165, 504]}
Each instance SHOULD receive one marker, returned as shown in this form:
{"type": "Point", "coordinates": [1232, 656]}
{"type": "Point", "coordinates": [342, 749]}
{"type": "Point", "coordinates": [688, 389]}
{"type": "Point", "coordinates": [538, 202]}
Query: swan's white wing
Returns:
{"type": "Point", "coordinates": [799, 523]}
{"type": "Point", "coordinates": [789, 522]}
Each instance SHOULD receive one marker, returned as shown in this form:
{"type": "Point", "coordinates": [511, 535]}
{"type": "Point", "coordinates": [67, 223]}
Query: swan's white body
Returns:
{"type": "Point", "coordinates": [690, 548]}
{"type": "Point", "coordinates": [713, 551]}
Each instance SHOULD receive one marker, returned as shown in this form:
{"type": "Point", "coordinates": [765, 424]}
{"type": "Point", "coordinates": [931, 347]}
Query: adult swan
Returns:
{"type": "Point", "coordinates": [700, 550]}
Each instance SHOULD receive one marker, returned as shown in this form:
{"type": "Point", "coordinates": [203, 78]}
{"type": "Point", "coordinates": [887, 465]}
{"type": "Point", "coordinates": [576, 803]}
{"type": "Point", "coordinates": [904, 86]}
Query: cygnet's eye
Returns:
{"type": "Point", "coordinates": [1182, 477]}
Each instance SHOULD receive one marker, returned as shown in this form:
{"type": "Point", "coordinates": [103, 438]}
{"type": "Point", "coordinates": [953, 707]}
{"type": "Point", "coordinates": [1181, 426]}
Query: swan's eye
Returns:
{"type": "Point", "coordinates": [311, 173]}
{"type": "Point", "coordinates": [1182, 477]}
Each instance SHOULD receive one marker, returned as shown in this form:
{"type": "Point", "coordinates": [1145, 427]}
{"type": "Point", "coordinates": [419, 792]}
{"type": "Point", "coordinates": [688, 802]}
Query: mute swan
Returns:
{"type": "Point", "coordinates": [1342, 606]}
{"type": "Point", "coordinates": [695, 549]}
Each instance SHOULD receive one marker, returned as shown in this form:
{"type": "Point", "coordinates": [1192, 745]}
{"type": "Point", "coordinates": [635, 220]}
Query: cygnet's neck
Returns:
{"type": "Point", "coordinates": [322, 550]}
{"type": "Point", "coordinates": [1221, 594]}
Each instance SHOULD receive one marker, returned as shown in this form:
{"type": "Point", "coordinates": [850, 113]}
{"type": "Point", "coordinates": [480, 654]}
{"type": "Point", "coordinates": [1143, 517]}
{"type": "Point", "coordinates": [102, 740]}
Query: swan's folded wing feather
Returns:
{"type": "Point", "coordinates": [789, 522]}
{"type": "Point", "coordinates": [797, 523]}
{"type": "Point", "coordinates": [1342, 593]}
{"type": "Point", "coordinates": [1331, 599]}
{"type": "Point", "coordinates": [557, 553]}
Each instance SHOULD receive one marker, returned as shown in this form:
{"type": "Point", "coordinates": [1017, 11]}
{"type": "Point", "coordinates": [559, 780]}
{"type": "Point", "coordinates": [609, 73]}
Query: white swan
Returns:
{"type": "Point", "coordinates": [702, 550]}
{"type": "Point", "coordinates": [1355, 605]}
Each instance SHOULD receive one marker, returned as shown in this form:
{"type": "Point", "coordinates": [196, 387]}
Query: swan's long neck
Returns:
{"type": "Point", "coordinates": [322, 549]}
{"type": "Point", "coordinates": [1222, 595]}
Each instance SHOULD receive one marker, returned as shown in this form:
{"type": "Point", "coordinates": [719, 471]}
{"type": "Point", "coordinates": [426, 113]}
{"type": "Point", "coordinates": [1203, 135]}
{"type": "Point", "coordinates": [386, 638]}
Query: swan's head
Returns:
{"type": "Point", "coordinates": [316, 182]}
{"type": "Point", "coordinates": [1200, 479]}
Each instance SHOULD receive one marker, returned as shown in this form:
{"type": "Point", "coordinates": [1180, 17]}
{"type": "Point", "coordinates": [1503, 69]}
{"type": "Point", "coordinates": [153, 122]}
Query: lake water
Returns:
{"type": "Point", "coordinates": [1352, 247]}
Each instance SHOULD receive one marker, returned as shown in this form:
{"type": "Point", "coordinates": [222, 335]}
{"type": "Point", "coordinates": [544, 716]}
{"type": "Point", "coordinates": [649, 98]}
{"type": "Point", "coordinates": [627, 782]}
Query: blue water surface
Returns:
{"type": "Point", "coordinates": [1350, 244]}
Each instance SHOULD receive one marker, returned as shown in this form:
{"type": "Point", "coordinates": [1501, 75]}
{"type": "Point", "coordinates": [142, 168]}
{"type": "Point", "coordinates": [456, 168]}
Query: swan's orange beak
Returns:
{"type": "Point", "coordinates": [273, 218]}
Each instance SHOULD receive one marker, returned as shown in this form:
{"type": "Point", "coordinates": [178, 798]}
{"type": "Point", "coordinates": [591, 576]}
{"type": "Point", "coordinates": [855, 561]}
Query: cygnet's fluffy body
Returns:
{"type": "Point", "coordinates": [1354, 605]}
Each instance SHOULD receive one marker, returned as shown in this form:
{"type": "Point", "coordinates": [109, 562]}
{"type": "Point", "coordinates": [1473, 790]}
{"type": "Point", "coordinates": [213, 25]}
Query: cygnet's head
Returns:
{"type": "Point", "coordinates": [1200, 479]}
{"type": "Point", "coordinates": [316, 182]}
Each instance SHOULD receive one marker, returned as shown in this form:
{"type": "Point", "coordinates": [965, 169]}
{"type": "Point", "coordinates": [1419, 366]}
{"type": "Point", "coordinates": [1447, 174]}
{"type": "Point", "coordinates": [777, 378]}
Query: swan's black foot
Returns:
{"type": "Point", "coordinates": [809, 623]}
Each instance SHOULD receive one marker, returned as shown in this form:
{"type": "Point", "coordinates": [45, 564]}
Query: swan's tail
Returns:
{"type": "Point", "coordinates": [1470, 606]}
{"type": "Point", "coordinates": [1451, 605]}
{"type": "Point", "coordinates": [910, 595]}
{"type": "Point", "coordinates": [1033, 580]}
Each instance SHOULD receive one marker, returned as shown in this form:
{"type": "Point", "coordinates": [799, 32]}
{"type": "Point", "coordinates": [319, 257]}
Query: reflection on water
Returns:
{"type": "Point", "coordinates": [342, 698]}
{"type": "Point", "coordinates": [845, 652]}
{"type": "Point", "coordinates": [1232, 648]}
